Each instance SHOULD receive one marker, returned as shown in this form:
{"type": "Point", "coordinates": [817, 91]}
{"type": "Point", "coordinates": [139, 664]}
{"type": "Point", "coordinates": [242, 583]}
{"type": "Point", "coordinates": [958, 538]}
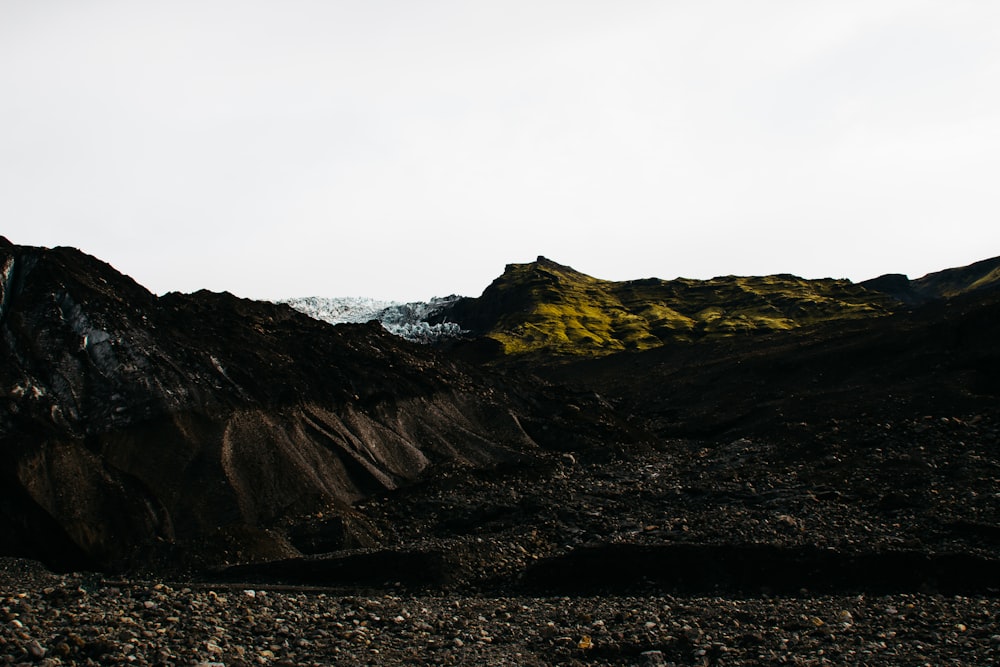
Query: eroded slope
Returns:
{"type": "Point", "coordinates": [203, 427]}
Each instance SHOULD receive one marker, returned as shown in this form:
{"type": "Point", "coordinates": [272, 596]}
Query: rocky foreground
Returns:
{"type": "Point", "coordinates": [260, 488]}
{"type": "Point", "coordinates": [81, 620]}
{"type": "Point", "coordinates": [863, 574]}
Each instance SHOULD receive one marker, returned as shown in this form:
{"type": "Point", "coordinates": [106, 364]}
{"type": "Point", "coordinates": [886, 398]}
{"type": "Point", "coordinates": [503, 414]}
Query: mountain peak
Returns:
{"type": "Point", "coordinates": [541, 265]}
{"type": "Point", "coordinates": [544, 261]}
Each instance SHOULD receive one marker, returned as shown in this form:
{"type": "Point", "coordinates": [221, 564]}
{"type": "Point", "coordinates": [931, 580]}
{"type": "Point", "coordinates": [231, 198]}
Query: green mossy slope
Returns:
{"type": "Point", "coordinates": [546, 307]}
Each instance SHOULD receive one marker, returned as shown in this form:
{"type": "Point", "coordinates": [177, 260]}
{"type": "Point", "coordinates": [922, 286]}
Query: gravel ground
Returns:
{"type": "Point", "coordinates": [79, 620]}
{"type": "Point", "coordinates": [925, 485]}
{"type": "Point", "coordinates": [493, 525]}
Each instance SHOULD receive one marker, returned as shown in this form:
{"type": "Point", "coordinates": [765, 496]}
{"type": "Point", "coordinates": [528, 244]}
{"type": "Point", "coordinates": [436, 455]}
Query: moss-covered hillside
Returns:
{"type": "Point", "coordinates": [982, 275]}
{"type": "Point", "coordinates": [546, 307]}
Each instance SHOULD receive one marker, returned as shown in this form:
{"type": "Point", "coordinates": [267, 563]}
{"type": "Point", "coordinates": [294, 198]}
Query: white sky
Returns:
{"type": "Point", "coordinates": [406, 149]}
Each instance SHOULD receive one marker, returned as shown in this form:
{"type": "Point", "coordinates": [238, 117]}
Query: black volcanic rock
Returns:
{"type": "Point", "coordinates": [137, 430]}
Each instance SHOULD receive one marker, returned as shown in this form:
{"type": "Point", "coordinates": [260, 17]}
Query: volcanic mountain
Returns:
{"type": "Point", "coordinates": [185, 429]}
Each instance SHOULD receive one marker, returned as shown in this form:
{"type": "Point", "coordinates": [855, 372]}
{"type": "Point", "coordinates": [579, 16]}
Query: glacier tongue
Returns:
{"type": "Point", "coordinates": [406, 320]}
{"type": "Point", "coordinates": [345, 310]}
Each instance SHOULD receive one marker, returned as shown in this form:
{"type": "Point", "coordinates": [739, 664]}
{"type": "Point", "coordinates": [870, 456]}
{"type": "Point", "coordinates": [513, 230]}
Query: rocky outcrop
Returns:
{"type": "Point", "coordinates": [193, 429]}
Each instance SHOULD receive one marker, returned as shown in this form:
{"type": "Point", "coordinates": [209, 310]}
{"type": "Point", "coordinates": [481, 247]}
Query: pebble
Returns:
{"type": "Point", "coordinates": [652, 659]}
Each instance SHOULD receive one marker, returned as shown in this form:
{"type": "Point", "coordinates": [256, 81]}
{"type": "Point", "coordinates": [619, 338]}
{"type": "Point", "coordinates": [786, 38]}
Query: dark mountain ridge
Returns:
{"type": "Point", "coordinates": [137, 430]}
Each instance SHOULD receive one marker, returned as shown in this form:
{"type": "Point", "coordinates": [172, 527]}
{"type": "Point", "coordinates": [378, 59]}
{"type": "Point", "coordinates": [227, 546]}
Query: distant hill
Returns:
{"type": "Point", "coordinates": [941, 284]}
{"type": "Point", "coordinates": [545, 307]}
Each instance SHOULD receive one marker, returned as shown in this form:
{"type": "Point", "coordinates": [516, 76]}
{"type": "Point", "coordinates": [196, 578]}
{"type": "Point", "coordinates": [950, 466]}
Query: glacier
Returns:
{"type": "Point", "coordinates": [406, 320]}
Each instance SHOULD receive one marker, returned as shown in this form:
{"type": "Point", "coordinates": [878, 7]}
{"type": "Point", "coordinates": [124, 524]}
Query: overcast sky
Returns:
{"type": "Point", "coordinates": [406, 149]}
